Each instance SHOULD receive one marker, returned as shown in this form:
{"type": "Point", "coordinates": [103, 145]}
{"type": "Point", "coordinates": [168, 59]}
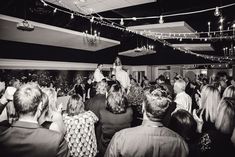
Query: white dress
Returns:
{"type": "Point", "coordinates": [123, 77]}
{"type": "Point", "coordinates": [98, 76]}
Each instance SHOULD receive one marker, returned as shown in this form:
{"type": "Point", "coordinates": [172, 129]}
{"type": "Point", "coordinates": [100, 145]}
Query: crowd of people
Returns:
{"type": "Point", "coordinates": [117, 116]}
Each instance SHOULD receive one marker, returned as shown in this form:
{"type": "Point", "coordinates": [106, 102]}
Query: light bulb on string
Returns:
{"type": "Point", "coordinates": [44, 3]}
{"type": "Point", "coordinates": [209, 28]}
{"type": "Point", "coordinates": [134, 18]}
{"type": "Point", "coordinates": [55, 10]}
{"type": "Point", "coordinates": [72, 16]}
{"type": "Point", "coordinates": [161, 21]}
{"type": "Point", "coordinates": [122, 22]}
{"type": "Point", "coordinates": [92, 19]}
{"type": "Point", "coordinates": [217, 12]}
{"type": "Point", "coordinates": [220, 28]}
{"type": "Point", "coordinates": [221, 20]}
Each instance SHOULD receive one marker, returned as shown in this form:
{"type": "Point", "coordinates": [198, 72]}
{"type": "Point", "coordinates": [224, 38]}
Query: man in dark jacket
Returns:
{"type": "Point", "coordinates": [25, 137]}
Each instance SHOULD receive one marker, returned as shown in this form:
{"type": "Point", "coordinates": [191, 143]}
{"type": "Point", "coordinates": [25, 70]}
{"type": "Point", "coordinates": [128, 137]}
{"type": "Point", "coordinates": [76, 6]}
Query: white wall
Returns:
{"type": "Point", "coordinates": [47, 65]}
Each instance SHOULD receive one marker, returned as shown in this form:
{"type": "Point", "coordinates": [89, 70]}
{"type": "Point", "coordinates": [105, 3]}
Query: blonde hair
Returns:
{"type": "Point", "coordinates": [225, 118]}
{"type": "Point", "coordinates": [180, 84]}
{"type": "Point", "coordinates": [210, 98]}
{"type": "Point", "coordinates": [118, 61]}
{"type": "Point", "coordinates": [116, 102]}
{"type": "Point", "coordinates": [52, 96]}
{"type": "Point", "coordinates": [101, 87]}
{"type": "Point", "coordinates": [229, 92]}
{"type": "Point", "coordinates": [75, 105]}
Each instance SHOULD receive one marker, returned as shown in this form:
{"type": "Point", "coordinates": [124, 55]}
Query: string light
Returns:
{"type": "Point", "coordinates": [164, 42]}
{"type": "Point", "coordinates": [161, 21]}
{"type": "Point", "coordinates": [217, 12]}
{"type": "Point", "coordinates": [221, 20]}
{"type": "Point", "coordinates": [92, 19]}
{"type": "Point", "coordinates": [115, 25]}
{"type": "Point", "coordinates": [122, 22]}
{"type": "Point", "coordinates": [233, 25]}
{"type": "Point", "coordinates": [44, 3]}
{"type": "Point", "coordinates": [55, 10]}
{"type": "Point", "coordinates": [209, 28]}
{"type": "Point", "coordinates": [72, 16]}
{"type": "Point", "coordinates": [134, 18]}
{"type": "Point", "coordinates": [220, 28]}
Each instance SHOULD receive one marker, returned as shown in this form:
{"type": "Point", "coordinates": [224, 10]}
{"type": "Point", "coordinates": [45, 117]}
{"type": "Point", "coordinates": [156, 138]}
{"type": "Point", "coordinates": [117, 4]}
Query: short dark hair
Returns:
{"type": "Point", "coordinates": [156, 103]}
{"type": "Point", "coordinates": [99, 64]}
{"type": "Point", "coordinates": [162, 78]}
{"type": "Point", "coordinates": [27, 98]}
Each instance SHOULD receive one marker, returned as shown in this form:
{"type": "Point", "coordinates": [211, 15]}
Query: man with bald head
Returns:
{"type": "Point", "coordinates": [182, 99]}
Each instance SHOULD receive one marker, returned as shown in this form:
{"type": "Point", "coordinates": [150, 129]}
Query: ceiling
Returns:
{"type": "Point", "coordinates": [195, 47]}
{"type": "Point", "coordinates": [170, 27]}
{"type": "Point", "coordinates": [49, 35]}
{"type": "Point", "coordinates": [137, 52]}
{"type": "Point", "coordinates": [35, 11]}
{"type": "Point", "coordinates": [97, 6]}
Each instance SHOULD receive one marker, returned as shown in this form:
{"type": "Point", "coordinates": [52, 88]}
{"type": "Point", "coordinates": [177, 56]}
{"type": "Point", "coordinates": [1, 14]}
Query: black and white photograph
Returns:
{"type": "Point", "coordinates": [117, 78]}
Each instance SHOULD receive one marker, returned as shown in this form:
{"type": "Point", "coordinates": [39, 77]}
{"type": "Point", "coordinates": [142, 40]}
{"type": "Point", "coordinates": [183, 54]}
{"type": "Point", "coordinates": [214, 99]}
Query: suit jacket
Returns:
{"type": "Point", "coordinates": [96, 104]}
{"type": "Point", "coordinates": [25, 139]}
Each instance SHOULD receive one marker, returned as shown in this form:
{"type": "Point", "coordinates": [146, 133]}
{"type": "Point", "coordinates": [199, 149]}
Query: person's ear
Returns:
{"type": "Point", "coordinates": [143, 107]}
{"type": "Point", "coordinates": [39, 110]}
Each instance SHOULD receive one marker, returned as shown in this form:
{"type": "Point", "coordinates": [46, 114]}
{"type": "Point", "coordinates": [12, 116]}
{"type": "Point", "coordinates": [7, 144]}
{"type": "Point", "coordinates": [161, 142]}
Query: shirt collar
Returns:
{"type": "Point", "coordinates": [23, 124]}
{"type": "Point", "coordinates": [152, 123]}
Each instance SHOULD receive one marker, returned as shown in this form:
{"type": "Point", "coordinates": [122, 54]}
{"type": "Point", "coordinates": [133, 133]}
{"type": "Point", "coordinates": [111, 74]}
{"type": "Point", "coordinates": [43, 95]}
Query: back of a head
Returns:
{"type": "Point", "coordinates": [210, 98]}
{"type": "Point", "coordinates": [162, 78]}
{"type": "Point", "coordinates": [116, 103]}
{"type": "Point", "coordinates": [135, 95]}
{"type": "Point", "coordinates": [229, 92]}
{"type": "Point", "coordinates": [225, 118]}
{"type": "Point", "coordinates": [179, 85]}
{"type": "Point", "coordinates": [75, 105]}
{"type": "Point", "coordinates": [118, 62]}
{"type": "Point", "coordinates": [99, 64]}
{"type": "Point", "coordinates": [52, 96]}
{"type": "Point", "coordinates": [184, 124]}
{"type": "Point", "coordinates": [101, 87]}
{"type": "Point", "coordinates": [27, 98]}
{"type": "Point", "coordinates": [155, 103]}
{"type": "Point", "coordinates": [45, 102]}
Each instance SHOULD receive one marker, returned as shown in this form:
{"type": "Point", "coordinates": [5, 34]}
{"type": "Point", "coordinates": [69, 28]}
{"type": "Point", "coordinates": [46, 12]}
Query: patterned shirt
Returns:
{"type": "Point", "coordinates": [80, 134]}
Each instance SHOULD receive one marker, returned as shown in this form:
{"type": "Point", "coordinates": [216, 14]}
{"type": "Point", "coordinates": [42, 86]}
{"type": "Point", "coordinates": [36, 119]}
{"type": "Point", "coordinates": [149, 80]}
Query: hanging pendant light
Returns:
{"type": "Point", "coordinates": [72, 16]}
{"type": "Point", "coordinates": [217, 12]}
{"type": "Point", "coordinates": [122, 22]}
{"type": "Point", "coordinates": [161, 21]}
